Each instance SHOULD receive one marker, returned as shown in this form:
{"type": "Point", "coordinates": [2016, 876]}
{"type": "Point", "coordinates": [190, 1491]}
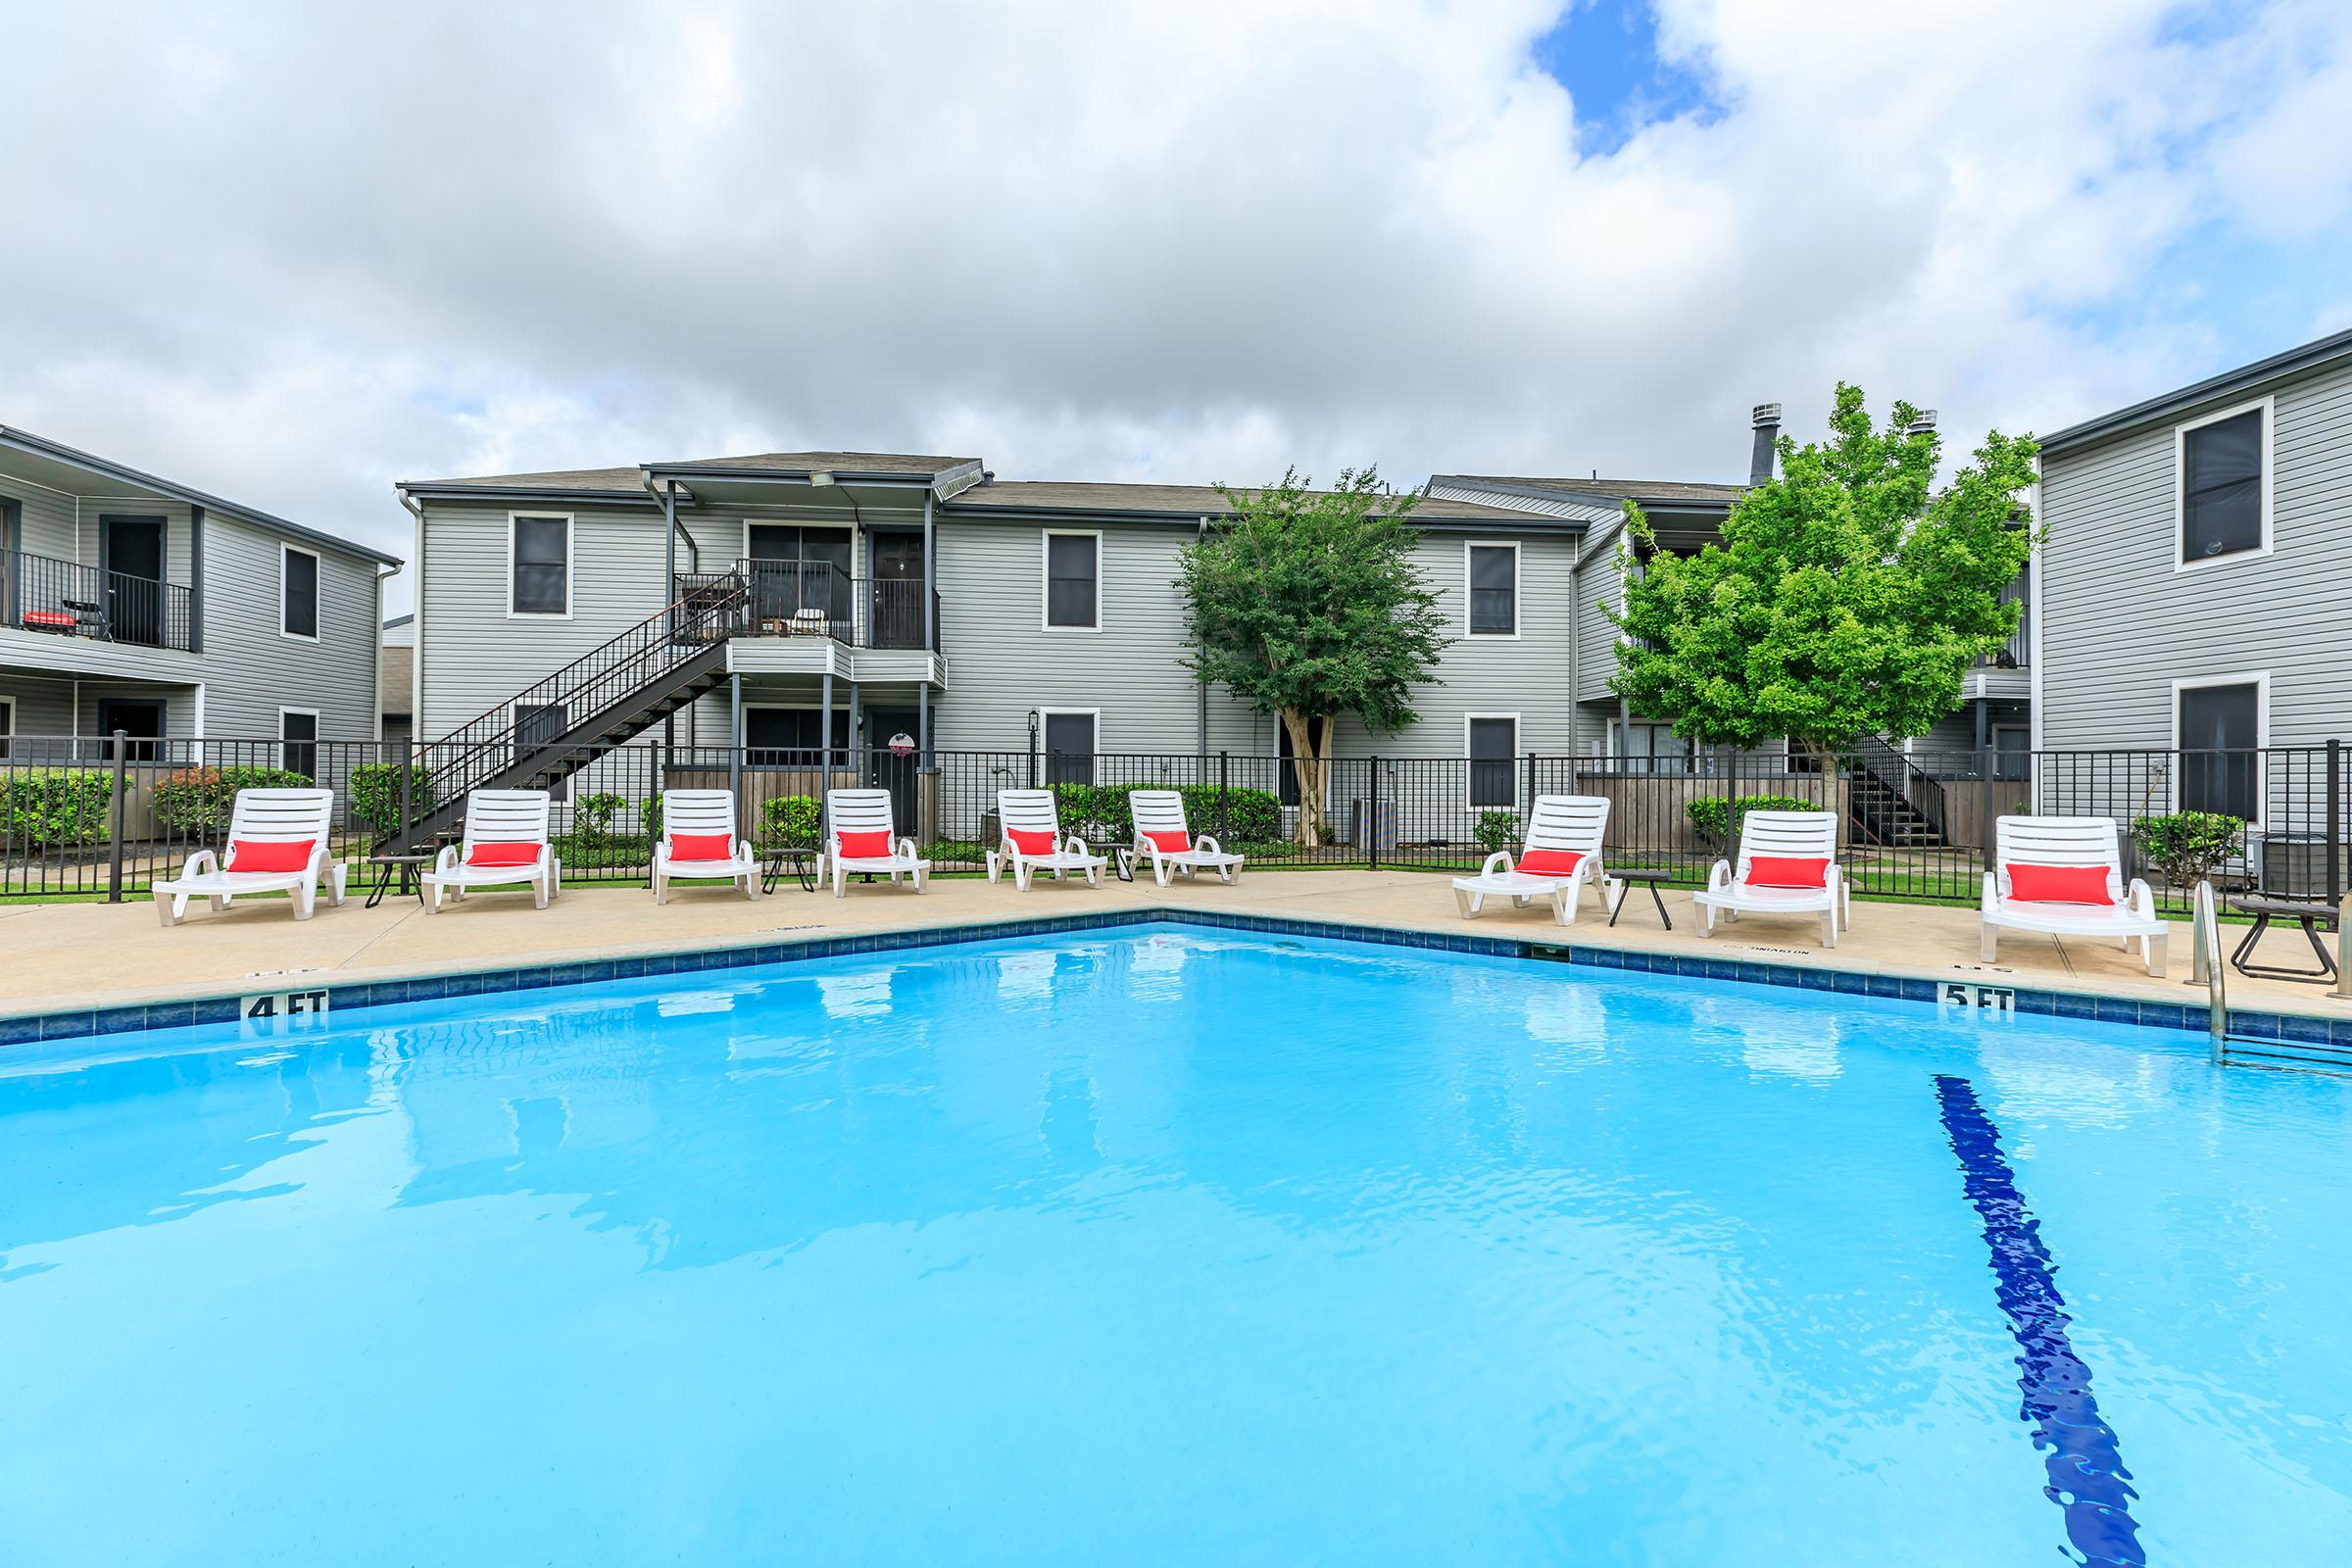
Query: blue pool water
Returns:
{"type": "Point", "coordinates": [1167, 1245]}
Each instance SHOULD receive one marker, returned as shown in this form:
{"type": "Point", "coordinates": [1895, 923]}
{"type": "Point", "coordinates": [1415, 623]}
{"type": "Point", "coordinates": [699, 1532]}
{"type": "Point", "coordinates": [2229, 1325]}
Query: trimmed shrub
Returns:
{"type": "Point", "coordinates": [793, 820]}
{"type": "Point", "coordinates": [199, 800]}
{"type": "Point", "coordinates": [55, 807]}
{"type": "Point", "coordinates": [2187, 844]}
{"type": "Point", "coordinates": [1710, 815]}
{"type": "Point", "coordinates": [375, 793]}
{"type": "Point", "coordinates": [1252, 815]}
{"type": "Point", "coordinates": [1496, 830]}
{"type": "Point", "coordinates": [592, 817]}
{"type": "Point", "coordinates": [607, 852]}
{"type": "Point", "coordinates": [1100, 813]}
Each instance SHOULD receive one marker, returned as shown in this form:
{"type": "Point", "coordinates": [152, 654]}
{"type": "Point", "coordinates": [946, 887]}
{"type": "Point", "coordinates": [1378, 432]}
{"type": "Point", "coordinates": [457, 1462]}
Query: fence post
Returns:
{"type": "Point", "coordinates": [1531, 784]}
{"type": "Point", "coordinates": [1986, 809]}
{"type": "Point", "coordinates": [1224, 805]}
{"type": "Point", "coordinates": [2336, 818]}
{"type": "Point", "coordinates": [114, 834]}
{"type": "Point", "coordinates": [1372, 819]}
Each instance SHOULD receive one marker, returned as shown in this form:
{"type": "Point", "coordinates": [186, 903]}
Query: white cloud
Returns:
{"type": "Point", "coordinates": [318, 250]}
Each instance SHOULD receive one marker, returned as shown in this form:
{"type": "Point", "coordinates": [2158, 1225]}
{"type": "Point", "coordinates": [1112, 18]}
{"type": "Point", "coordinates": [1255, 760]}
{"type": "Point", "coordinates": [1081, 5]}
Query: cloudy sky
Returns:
{"type": "Point", "coordinates": [292, 253]}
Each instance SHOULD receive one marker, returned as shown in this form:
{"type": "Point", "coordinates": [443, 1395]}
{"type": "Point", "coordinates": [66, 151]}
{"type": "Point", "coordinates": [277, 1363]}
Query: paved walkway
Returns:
{"type": "Point", "coordinates": [76, 956]}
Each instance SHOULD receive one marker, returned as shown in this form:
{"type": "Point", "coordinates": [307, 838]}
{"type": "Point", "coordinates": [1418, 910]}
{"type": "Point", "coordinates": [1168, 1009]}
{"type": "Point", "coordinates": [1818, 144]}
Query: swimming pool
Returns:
{"type": "Point", "coordinates": [1165, 1244]}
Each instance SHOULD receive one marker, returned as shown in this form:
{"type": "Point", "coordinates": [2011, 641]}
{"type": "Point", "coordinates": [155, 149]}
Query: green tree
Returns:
{"type": "Point", "coordinates": [1848, 596]}
{"type": "Point", "coordinates": [1307, 605]}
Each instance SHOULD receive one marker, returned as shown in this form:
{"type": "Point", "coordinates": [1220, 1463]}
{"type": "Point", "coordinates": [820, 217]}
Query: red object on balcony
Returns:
{"type": "Point", "coordinates": [51, 619]}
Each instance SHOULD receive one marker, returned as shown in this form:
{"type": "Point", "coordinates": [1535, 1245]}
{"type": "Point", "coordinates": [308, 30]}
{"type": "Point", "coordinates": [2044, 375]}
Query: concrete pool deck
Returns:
{"type": "Point", "coordinates": [58, 956]}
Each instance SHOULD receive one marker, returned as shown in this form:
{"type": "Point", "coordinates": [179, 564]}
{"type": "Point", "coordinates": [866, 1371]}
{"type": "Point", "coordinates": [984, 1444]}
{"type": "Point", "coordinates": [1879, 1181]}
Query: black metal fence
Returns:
{"type": "Point", "coordinates": [105, 817]}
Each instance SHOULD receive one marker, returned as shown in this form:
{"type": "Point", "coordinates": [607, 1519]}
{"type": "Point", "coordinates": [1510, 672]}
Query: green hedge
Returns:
{"type": "Point", "coordinates": [375, 793]}
{"type": "Point", "coordinates": [1710, 814]}
{"type": "Point", "coordinates": [790, 820]}
{"type": "Point", "coordinates": [1100, 812]}
{"type": "Point", "coordinates": [199, 800]}
{"type": "Point", "coordinates": [58, 807]}
{"type": "Point", "coordinates": [2189, 844]}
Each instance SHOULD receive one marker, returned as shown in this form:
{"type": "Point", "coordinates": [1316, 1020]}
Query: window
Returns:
{"type": "Point", "coordinates": [1073, 579]}
{"type": "Point", "coordinates": [539, 567]}
{"type": "Point", "coordinates": [141, 721]}
{"type": "Point", "coordinates": [2225, 490]}
{"type": "Point", "coordinates": [8, 726]}
{"type": "Point", "coordinates": [297, 593]}
{"type": "Point", "coordinates": [2219, 730]}
{"type": "Point", "coordinates": [792, 737]}
{"type": "Point", "coordinates": [1069, 748]}
{"type": "Point", "coordinates": [1494, 589]}
{"type": "Point", "coordinates": [1651, 748]}
{"type": "Point", "coordinates": [298, 735]}
{"type": "Point", "coordinates": [1493, 744]}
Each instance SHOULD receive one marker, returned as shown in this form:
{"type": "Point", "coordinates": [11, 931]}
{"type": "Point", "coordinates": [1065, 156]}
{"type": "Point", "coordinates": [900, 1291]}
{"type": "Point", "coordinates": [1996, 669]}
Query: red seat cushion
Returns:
{"type": "Point", "coordinates": [503, 855]}
{"type": "Point", "coordinates": [1788, 871]}
{"type": "Point", "coordinates": [2059, 884]}
{"type": "Point", "coordinates": [866, 846]}
{"type": "Point", "coordinates": [1030, 842]}
{"type": "Point", "coordinates": [1175, 843]}
{"type": "Point", "coordinates": [264, 855]}
{"type": "Point", "coordinates": [701, 847]}
{"type": "Point", "coordinates": [1550, 862]}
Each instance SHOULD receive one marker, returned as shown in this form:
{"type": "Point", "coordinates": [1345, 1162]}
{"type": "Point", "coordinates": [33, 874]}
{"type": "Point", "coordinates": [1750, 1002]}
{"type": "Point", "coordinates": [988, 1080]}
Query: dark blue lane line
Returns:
{"type": "Point", "coordinates": [2085, 1461]}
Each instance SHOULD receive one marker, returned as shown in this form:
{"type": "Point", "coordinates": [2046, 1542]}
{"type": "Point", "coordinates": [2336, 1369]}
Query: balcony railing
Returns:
{"type": "Point", "coordinates": [812, 599]}
{"type": "Point", "coordinates": [67, 599]}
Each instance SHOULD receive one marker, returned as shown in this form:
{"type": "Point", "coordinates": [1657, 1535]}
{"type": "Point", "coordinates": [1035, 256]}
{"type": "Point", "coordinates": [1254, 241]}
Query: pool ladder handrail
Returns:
{"type": "Point", "coordinates": [2206, 967]}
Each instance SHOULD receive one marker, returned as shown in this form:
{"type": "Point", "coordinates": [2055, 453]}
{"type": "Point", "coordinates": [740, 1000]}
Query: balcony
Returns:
{"type": "Point", "coordinates": [811, 599]}
{"type": "Point", "coordinates": [66, 599]}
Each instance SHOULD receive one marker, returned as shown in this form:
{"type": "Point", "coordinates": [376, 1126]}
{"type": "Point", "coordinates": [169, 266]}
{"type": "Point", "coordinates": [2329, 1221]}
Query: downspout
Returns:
{"type": "Point", "coordinates": [1201, 719]}
{"type": "Point", "coordinates": [416, 729]}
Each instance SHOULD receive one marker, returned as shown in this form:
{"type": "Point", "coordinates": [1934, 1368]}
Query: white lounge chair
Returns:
{"type": "Point", "coordinates": [497, 821]}
{"type": "Point", "coordinates": [2096, 907]}
{"type": "Point", "coordinates": [857, 822]}
{"type": "Point", "coordinates": [281, 832]}
{"type": "Point", "coordinates": [1563, 830]}
{"type": "Point", "coordinates": [1163, 836]}
{"type": "Point", "coordinates": [1031, 815]}
{"type": "Point", "coordinates": [1733, 891]}
{"type": "Point", "coordinates": [693, 823]}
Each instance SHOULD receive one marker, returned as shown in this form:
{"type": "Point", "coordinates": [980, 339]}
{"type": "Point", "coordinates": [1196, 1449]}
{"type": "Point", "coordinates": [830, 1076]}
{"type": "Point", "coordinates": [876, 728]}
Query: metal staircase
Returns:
{"type": "Point", "coordinates": [1892, 800]}
{"type": "Point", "coordinates": [601, 700]}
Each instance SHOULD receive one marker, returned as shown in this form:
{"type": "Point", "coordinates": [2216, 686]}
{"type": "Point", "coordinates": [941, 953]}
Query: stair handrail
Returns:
{"type": "Point", "coordinates": [1911, 783]}
{"type": "Point", "coordinates": [704, 614]}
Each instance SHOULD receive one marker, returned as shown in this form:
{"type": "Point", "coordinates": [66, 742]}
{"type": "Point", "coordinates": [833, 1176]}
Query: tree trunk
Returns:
{"type": "Point", "coordinates": [1311, 766]}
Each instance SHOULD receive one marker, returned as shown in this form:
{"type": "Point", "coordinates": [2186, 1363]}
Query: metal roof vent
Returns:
{"type": "Point", "coordinates": [1922, 423]}
{"type": "Point", "coordinates": [1765, 414]}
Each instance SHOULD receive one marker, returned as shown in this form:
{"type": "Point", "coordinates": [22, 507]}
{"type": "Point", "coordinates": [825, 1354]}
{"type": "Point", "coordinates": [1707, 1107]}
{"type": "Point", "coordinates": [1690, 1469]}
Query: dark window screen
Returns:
{"type": "Point", "coordinates": [1492, 740]}
{"type": "Point", "coordinates": [2219, 729]}
{"type": "Point", "coordinates": [2221, 487]}
{"type": "Point", "coordinates": [1070, 748]}
{"type": "Point", "coordinates": [299, 732]}
{"type": "Point", "coordinates": [1494, 589]}
{"type": "Point", "coordinates": [300, 600]}
{"type": "Point", "coordinates": [1070, 581]}
{"type": "Point", "coordinates": [542, 569]}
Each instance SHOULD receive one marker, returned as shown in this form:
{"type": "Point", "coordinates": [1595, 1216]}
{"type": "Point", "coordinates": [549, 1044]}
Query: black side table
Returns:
{"type": "Point", "coordinates": [402, 868]}
{"type": "Point", "coordinates": [800, 864]}
{"type": "Point", "coordinates": [2312, 916]}
{"type": "Point", "coordinates": [1651, 879]}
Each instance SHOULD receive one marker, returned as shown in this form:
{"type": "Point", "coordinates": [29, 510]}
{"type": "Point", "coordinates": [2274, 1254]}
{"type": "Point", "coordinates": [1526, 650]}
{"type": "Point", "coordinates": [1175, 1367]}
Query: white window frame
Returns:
{"type": "Point", "coordinates": [571, 552]}
{"type": "Point", "coordinates": [2260, 680]}
{"type": "Point", "coordinates": [1518, 596]}
{"type": "Point", "coordinates": [2269, 405]}
{"type": "Point", "coordinates": [319, 589]}
{"type": "Point", "coordinates": [1518, 732]}
{"type": "Point", "coordinates": [1044, 593]}
{"type": "Point", "coordinates": [314, 743]}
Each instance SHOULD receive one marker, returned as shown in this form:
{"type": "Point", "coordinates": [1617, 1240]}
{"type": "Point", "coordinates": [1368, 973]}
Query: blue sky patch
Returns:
{"type": "Point", "coordinates": [1606, 53]}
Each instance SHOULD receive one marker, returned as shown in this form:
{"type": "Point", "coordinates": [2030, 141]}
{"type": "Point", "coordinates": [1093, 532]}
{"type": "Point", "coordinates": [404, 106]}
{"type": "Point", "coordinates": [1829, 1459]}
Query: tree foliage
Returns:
{"type": "Point", "coordinates": [1307, 605]}
{"type": "Point", "coordinates": [1847, 597]}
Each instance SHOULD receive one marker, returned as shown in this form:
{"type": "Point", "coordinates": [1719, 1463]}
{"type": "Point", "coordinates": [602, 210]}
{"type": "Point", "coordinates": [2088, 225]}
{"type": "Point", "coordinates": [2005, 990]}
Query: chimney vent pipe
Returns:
{"type": "Point", "coordinates": [1766, 418]}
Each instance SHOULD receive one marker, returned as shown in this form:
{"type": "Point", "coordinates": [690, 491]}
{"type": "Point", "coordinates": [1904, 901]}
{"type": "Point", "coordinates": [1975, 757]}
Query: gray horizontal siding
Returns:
{"type": "Point", "coordinates": [251, 670]}
{"type": "Point", "coordinates": [2119, 625]}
